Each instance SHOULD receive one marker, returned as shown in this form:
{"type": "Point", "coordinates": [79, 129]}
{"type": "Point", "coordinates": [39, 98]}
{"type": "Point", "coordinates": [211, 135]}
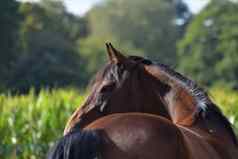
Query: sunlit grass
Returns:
{"type": "Point", "coordinates": [29, 123]}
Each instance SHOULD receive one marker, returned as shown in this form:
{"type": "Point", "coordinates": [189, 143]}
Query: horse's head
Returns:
{"type": "Point", "coordinates": [123, 85]}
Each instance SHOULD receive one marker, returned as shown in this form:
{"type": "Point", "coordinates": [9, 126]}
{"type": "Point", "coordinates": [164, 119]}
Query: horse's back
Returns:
{"type": "Point", "coordinates": [198, 146]}
{"type": "Point", "coordinates": [143, 135]}
{"type": "Point", "coordinates": [152, 137]}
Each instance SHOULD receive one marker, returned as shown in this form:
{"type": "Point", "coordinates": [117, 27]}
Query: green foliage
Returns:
{"type": "Point", "coordinates": [141, 24]}
{"type": "Point", "coordinates": [29, 124]}
{"type": "Point", "coordinates": [9, 20]}
{"type": "Point", "coordinates": [48, 24]}
{"type": "Point", "coordinates": [50, 68]}
{"type": "Point", "coordinates": [208, 52]}
{"type": "Point", "coordinates": [49, 56]}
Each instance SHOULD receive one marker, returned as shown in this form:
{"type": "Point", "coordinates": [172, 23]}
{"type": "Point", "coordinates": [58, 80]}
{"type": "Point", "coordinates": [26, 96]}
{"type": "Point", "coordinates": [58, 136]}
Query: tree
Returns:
{"type": "Point", "coordinates": [9, 20]}
{"type": "Point", "coordinates": [148, 26]}
{"type": "Point", "coordinates": [48, 38]}
{"type": "Point", "coordinates": [48, 68]}
{"type": "Point", "coordinates": [183, 17]}
{"type": "Point", "coordinates": [208, 51]}
{"type": "Point", "coordinates": [49, 24]}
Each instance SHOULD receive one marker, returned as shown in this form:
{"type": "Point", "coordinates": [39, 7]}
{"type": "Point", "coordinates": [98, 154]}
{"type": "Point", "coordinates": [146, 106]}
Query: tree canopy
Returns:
{"type": "Point", "coordinates": [141, 24]}
{"type": "Point", "coordinates": [43, 45]}
{"type": "Point", "coordinates": [209, 50]}
{"type": "Point", "coordinates": [47, 51]}
{"type": "Point", "coordinates": [9, 20]}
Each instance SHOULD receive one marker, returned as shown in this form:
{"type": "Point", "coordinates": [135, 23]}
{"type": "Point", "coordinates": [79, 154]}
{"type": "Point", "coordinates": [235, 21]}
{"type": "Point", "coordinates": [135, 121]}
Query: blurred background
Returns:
{"type": "Point", "coordinates": [49, 50]}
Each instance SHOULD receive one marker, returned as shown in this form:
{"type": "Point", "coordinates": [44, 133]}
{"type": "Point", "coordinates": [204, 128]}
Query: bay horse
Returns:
{"type": "Point", "coordinates": [124, 136]}
{"type": "Point", "coordinates": [123, 85]}
{"type": "Point", "coordinates": [135, 84]}
{"type": "Point", "coordinates": [137, 136]}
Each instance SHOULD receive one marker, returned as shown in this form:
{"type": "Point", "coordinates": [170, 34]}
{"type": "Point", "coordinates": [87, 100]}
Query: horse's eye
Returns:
{"type": "Point", "coordinates": [108, 88]}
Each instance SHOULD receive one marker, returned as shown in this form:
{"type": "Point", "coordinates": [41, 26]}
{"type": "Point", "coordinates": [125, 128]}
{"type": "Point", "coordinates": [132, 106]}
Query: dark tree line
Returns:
{"type": "Point", "coordinates": [43, 45]}
{"type": "Point", "coordinates": [39, 46]}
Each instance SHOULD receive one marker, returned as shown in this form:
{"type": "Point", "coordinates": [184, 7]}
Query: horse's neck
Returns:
{"type": "Point", "coordinates": [184, 110]}
{"type": "Point", "coordinates": [181, 106]}
{"type": "Point", "coordinates": [148, 100]}
{"type": "Point", "coordinates": [212, 131]}
{"type": "Point", "coordinates": [184, 102]}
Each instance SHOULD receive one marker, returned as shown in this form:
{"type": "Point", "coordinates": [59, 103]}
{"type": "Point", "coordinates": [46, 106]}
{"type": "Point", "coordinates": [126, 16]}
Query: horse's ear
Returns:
{"type": "Point", "coordinates": [114, 55]}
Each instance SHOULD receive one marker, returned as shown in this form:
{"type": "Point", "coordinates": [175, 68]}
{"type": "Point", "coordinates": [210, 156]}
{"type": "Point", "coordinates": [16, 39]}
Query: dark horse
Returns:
{"type": "Point", "coordinates": [125, 136]}
{"type": "Point", "coordinates": [139, 136]}
{"type": "Point", "coordinates": [135, 84]}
